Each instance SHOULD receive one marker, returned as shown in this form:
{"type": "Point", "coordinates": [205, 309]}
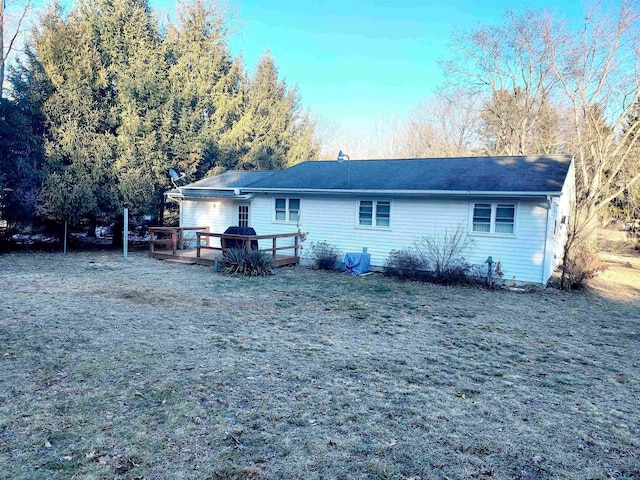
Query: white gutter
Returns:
{"type": "Point", "coordinates": [225, 189]}
{"type": "Point", "coordinates": [182, 196]}
{"type": "Point", "coordinates": [173, 196]}
{"type": "Point", "coordinates": [468, 193]}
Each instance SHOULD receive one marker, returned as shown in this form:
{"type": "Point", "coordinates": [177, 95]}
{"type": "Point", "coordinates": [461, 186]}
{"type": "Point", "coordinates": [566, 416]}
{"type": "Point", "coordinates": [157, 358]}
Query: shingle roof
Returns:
{"type": "Point", "coordinates": [468, 174]}
{"type": "Point", "coordinates": [231, 179]}
{"type": "Point", "coordinates": [531, 174]}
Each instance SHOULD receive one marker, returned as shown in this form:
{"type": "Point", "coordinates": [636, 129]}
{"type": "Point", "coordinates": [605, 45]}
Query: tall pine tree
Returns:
{"type": "Point", "coordinates": [65, 80]}
{"type": "Point", "coordinates": [206, 94]}
{"type": "Point", "coordinates": [133, 56]}
{"type": "Point", "coordinates": [117, 104]}
{"type": "Point", "coordinates": [275, 132]}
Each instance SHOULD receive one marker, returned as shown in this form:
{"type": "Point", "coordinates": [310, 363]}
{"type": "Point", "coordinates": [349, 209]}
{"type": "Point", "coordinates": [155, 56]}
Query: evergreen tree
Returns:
{"type": "Point", "coordinates": [274, 131]}
{"type": "Point", "coordinates": [305, 144]}
{"type": "Point", "coordinates": [20, 164]}
{"type": "Point", "coordinates": [117, 104]}
{"type": "Point", "coordinates": [133, 56]}
{"type": "Point", "coordinates": [64, 79]}
{"type": "Point", "coordinates": [205, 83]}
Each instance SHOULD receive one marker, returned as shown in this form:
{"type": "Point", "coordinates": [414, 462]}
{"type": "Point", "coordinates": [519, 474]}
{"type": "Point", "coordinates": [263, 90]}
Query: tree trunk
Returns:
{"type": "Point", "coordinates": [93, 223]}
{"type": "Point", "coordinates": [60, 230]}
{"type": "Point", "coordinates": [1, 47]}
{"type": "Point", "coordinates": [118, 228]}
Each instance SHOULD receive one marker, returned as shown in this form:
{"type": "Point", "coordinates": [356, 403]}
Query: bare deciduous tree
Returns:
{"type": "Point", "coordinates": [447, 125]}
{"type": "Point", "coordinates": [589, 71]}
{"type": "Point", "coordinates": [509, 64]}
{"type": "Point", "coordinates": [11, 26]}
{"type": "Point", "coordinates": [507, 130]}
{"type": "Point", "coordinates": [598, 70]}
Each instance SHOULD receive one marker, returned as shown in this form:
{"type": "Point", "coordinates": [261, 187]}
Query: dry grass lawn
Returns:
{"type": "Point", "coordinates": [148, 369]}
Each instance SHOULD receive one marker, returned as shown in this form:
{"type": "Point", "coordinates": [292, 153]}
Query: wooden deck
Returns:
{"type": "Point", "coordinates": [172, 243]}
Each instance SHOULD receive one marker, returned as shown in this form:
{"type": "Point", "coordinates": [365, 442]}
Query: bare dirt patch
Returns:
{"type": "Point", "coordinates": [621, 279]}
{"type": "Point", "coordinates": [146, 369]}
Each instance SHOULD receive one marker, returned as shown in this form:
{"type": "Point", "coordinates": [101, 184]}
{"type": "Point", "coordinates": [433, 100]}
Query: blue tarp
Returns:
{"type": "Point", "coordinates": [357, 263]}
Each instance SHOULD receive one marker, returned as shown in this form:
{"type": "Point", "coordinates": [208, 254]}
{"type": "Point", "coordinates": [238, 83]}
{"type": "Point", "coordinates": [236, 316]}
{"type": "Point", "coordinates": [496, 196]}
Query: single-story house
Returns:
{"type": "Point", "coordinates": [514, 209]}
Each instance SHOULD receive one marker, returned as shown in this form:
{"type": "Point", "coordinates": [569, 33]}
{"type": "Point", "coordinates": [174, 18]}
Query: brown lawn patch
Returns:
{"type": "Point", "coordinates": [621, 279]}
{"type": "Point", "coordinates": [145, 369]}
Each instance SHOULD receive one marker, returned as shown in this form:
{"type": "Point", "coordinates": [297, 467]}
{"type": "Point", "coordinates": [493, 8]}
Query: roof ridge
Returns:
{"type": "Point", "coordinates": [495, 157]}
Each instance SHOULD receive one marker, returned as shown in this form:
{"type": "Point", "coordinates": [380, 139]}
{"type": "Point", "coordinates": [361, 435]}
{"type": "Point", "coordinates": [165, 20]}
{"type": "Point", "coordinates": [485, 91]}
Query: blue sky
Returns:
{"type": "Point", "coordinates": [360, 63]}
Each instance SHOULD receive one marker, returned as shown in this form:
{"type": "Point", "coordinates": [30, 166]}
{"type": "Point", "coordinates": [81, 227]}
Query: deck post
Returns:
{"type": "Point", "coordinates": [198, 240]}
{"type": "Point", "coordinates": [274, 248]}
{"type": "Point", "coordinates": [207, 242]}
{"type": "Point", "coordinates": [174, 241]}
{"type": "Point", "coordinates": [297, 246]}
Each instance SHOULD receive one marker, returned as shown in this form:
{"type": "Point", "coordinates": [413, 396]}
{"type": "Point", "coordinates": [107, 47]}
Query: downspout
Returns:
{"type": "Point", "coordinates": [546, 236]}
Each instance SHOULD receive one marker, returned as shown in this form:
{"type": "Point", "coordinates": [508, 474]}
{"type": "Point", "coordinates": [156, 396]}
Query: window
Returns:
{"type": "Point", "coordinates": [243, 215]}
{"type": "Point", "coordinates": [287, 209]}
{"type": "Point", "coordinates": [294, 209]}
{"type": "Point", "coordinates": [482, 217]}
{"type": "Point", "coordinates": [374, 213]}
{"type": "Point", "coordinates": [505, 218]}
{"type": "Point", "coordinates": [494, 218]}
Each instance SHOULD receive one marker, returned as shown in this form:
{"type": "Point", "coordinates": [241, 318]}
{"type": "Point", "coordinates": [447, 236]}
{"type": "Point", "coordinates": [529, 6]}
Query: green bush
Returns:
{"type": "Point", "coordinates": [325, 256]}
{"type": "Point", "coordinates": [251, 263]}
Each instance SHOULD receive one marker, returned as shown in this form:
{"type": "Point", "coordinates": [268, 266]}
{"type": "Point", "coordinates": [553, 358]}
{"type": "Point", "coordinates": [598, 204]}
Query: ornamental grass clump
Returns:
{"type": "Point", "coordinates": [250, 263]}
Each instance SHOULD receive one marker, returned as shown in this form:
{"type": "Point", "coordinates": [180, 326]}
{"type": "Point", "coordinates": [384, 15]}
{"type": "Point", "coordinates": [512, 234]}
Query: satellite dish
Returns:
{"type": "Point", "coordinates": [175, 176]}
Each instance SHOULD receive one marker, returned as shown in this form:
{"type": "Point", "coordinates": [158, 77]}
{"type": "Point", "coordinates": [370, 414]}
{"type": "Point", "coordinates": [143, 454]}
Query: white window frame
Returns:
{"type": "Point", "coordinates": [492, 222]}
{"type": "Point", "coordinates": [287, 210]}
{"type": "Point", "coordinates": [374, 213]}
{"type": "Point", "coordinates": [248, 213]}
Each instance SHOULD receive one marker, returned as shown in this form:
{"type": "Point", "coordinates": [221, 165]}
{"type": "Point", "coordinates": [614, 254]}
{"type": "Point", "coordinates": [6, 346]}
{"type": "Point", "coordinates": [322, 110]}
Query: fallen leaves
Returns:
{"type": "Point", "coordinates": [120, 465]}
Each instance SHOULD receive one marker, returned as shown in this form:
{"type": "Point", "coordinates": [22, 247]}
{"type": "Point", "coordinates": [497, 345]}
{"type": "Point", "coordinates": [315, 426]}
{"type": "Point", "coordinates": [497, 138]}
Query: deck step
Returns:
{"type": "Point", "coordinates": [177, 260]}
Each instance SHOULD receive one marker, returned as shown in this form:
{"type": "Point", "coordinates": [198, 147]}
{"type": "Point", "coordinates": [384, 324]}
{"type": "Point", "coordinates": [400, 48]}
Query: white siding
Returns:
{"type": "Point", "coordinates": [557, 230]}
{"type": "Point", "coordinates": [217, 215]}
{"type": "Point", "coordinates": [334, 220]}
{"type": "Point", "coordinates": [522, 254]}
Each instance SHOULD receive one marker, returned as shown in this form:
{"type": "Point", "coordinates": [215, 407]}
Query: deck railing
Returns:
{"type": "Point", "coordinates": [169, 243]}
{"type": "Point", "coordinates": [246, 241]}
{"type": "Point", "coordinates": [170, 236]}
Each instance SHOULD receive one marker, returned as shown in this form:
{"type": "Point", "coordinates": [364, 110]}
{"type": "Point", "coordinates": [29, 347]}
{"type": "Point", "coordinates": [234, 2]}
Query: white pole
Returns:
{"type": "Point", "coordinates": [64, 242]}
{"type": "Point", "coordinates": [125, 234]}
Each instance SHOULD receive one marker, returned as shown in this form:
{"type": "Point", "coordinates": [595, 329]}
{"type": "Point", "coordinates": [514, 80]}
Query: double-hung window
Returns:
{"type": "Point", "coordinates": [287, 209]}
{"type": "Point", "coordinates": [374, 213]}
{"type": "Point", "coordinates": [499, 218]}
